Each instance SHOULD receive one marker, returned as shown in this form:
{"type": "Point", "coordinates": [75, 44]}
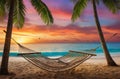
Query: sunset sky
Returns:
{"type": "Point", "coordinates": [63, 29]}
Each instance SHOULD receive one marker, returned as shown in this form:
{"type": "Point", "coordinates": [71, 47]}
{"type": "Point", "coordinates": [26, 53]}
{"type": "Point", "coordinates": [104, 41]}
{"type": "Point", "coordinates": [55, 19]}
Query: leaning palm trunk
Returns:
{"type": "Point", "coordinates": [110, 61]}
{"type": "Point", "coordinates": [4, 64]}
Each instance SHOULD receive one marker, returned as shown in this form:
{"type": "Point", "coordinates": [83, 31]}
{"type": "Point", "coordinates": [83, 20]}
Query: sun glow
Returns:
{"type": "Point", "coordinates": [22, 40]}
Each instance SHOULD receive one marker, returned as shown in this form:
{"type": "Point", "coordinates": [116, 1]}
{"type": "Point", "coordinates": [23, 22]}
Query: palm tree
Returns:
{"type": "Point", "coordinates": [111, 5]}
{"type": "Point", "coordinates": [16, 16]}
{"type": "Point", "coordinates": [118, 4]}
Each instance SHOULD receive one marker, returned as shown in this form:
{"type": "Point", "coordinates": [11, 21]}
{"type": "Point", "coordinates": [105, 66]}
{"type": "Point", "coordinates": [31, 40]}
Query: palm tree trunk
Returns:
{"type": "Point", "coordinates": [5, 58]}
{"type": "Point", "coordinates": [109, 59]}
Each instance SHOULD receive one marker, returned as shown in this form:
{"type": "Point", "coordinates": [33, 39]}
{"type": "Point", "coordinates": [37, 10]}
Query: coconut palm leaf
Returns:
{"type": "Point", "coordinates": [74, 1]}
{"type": "Point", "coordinates": [78, 8]}
{"type": "Point", "coordinates": [19, 14]}
{"type": "Point", "coordinates": [43, 10]}
{"type": "Point", "coordinates": [98, 1]}
{"type": "Point", "coordinates": [111, 5]}
{"type": "Point", "coordinates": [2, 7]}
{"type": "Point", "coordinates": [118, 4]}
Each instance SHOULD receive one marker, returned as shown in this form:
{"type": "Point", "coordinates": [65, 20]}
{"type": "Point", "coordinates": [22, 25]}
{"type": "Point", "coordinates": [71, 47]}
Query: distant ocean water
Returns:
{"type": "Point", "coordinates": [60, 49]}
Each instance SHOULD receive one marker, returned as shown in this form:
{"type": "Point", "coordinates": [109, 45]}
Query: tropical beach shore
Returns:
{"type": "Point", "coordinates": [94, 68]}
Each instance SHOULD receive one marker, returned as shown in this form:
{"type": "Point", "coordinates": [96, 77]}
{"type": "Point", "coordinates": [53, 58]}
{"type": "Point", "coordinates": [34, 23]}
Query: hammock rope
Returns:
{"type": "Point", "coordinates": [66, 62]}
{"type": "Point", "coordinates": [56, 65]}
{"type": "Point", "coordinates": [69, 61]}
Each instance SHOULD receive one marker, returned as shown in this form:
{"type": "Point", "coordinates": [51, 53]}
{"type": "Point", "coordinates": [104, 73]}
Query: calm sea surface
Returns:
{"type": "Point", "coordinates": [60, 49]}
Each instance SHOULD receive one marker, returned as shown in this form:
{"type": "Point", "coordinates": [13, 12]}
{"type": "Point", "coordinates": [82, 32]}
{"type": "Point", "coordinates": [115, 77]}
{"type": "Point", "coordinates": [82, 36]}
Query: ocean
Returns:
{"type": "Point", "coordinates": [60, 49]}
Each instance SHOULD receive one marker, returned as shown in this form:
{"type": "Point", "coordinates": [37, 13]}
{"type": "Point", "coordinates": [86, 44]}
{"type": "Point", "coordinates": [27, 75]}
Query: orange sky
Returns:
{"type": "Point", "coordinates": [48, 34]}
{"type": "Point", "coordinates": [63, 30]}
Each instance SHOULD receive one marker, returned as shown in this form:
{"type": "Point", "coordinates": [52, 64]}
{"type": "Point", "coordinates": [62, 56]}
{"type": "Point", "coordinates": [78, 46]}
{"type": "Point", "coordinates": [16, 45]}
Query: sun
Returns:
{"type": "Point", "coordinates": [22, 40]}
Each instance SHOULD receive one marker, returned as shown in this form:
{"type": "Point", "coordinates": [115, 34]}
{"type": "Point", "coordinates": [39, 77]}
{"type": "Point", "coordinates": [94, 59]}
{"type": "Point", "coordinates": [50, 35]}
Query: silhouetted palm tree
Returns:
{"type": "Point", "coordinates": [16, 16]}
{"type": "Point", "coordinates": [111, 5]}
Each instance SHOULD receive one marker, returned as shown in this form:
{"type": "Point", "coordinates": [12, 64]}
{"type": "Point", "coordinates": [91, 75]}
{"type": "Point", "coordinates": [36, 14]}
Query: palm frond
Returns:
{"type": "Point", "coordinates": [111, 5]}
{"type": "Point", "coordinates": [7, 5]}
{"type": "Point", "coordinates": [98, 2]}
{"type": "Point", "coordinates": [2, 7]}
{"type": "Point", "coordinates": [117, 3]}
{"type": "Point", "coordinates": [74, 1]}
{"type": "Point", "coordinates": [19, 14]}
{"type": "Point", "coordinates": [78, 8]}
{"type": "Point", "coordinates": [43, 11]}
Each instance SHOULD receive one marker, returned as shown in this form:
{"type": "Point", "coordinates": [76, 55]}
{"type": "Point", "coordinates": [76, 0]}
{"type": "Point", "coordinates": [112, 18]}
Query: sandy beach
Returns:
{"type": "Point", "coordinates": [94, 68]}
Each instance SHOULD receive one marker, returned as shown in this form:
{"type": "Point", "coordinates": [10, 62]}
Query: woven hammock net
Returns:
{"type": "Point", "coordinates": [66, 62]}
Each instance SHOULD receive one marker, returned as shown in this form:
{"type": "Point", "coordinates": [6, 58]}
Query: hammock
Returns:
{"type": "Point", "coordinates": [69, 61]}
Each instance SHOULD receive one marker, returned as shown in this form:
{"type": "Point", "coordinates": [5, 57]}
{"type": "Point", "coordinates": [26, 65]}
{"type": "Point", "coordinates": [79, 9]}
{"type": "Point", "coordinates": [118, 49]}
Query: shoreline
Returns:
{"type": "Point", "coordinates": [93, 57]}
{"type": "Point", "coordinates": [93, 60]}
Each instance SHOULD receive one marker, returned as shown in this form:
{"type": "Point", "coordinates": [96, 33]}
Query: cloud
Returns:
{"type": "Point", "coordinates": [63, 30]}
{"type": "Point", "coordinates": [69, 33]}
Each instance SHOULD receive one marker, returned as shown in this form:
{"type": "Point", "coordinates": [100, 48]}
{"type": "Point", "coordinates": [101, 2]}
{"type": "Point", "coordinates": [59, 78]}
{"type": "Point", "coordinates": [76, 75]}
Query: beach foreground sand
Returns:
{"type": "Point", "coordinates": [94, 68]}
